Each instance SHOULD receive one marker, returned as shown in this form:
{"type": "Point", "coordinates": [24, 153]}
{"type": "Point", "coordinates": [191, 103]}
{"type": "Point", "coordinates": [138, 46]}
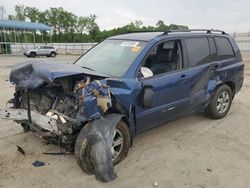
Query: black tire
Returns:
{"type": "Point", "coordinates": [82, 147]}
{"type": "Point", "coordinates": [216, 110]}
{"type": "Point", "coordinates": [52, 54]}
{"type": "Point", "coordinates": [82, 150]}
{"type": "Point", "coordinates": [32, 54]}
{"type": "Point", "coordinates": [26, 127]}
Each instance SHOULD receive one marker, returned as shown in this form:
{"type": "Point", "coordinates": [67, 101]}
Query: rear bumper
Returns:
{"type": "Point", "coordinates": [43, 121]}
{"type": "Point", "coordinates": [239, 85]}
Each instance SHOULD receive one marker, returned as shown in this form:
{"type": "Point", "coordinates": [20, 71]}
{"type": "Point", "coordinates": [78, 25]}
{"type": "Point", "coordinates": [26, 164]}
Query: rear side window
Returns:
{"type": "Point", "coordinates": [224, 48]}
{"type": "Point", "coordinates": [49, 47]}
{"type": "Point", "coordinates": [198, 51]}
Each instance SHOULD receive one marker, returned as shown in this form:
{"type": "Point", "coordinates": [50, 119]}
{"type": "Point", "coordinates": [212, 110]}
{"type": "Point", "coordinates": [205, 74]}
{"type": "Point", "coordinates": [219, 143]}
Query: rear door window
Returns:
{"type": "Point", "coordinates": [198, 51]}
{"type": "Point", "coordinates": [224, 48]}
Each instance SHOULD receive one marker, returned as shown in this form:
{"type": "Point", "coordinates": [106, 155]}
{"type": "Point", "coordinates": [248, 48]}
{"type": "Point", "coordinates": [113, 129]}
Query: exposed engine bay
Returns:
{"type": "Point", "coordinates": [73, 108]}
{"type": "Point", "coordinates": [70, 106]}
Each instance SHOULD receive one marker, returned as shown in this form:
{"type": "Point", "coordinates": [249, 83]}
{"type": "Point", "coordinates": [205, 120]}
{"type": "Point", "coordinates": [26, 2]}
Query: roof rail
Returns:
{"type": "Point", "coordinates": [195, 30]}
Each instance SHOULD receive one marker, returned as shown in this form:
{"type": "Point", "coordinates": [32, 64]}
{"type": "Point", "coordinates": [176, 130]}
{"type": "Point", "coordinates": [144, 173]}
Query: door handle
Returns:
{"type": "Point", "coordinates": [183, 76]}
{"type": "Point", "coordinates": [214, 67]}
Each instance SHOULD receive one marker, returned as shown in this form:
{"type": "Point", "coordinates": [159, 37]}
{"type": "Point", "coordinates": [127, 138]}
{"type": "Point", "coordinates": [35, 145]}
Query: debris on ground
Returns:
{"type": "Point", "coordinates": [53, 153]}
{"type": "Point", "coordinates": [209, 170]}
{"type": "Point", "coordinates": [20, 149]}
{"type": "Point", "coordinates": [38, 163]}
{"type": "Point", "coordinates": [156, 184]}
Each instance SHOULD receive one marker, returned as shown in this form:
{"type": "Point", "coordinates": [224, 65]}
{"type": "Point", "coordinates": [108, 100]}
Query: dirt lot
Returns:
{"type": "Point", "coordinates": [191, 152]}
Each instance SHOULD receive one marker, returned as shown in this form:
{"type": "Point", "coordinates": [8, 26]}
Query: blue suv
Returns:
{"type": "Point", "coordinates": [129, 83]}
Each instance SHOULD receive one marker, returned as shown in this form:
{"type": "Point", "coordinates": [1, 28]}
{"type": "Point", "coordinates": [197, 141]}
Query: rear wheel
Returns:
{"type": "Point", "coordinates": [220, 103]}
{"type": "Point", "coordinates": [52, 54]}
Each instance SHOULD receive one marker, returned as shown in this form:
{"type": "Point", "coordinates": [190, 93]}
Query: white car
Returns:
{"type": "Point", "coordinates": [48, 51]}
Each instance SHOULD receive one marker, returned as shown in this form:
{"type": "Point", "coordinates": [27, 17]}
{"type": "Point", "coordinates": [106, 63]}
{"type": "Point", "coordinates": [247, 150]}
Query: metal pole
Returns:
{"type": "Point", "coordinates": [1, 45]}
{"type": "Point", "coordinates": [50, 37]}
{"type": "Point", "coordinates": [42, 36]}
{"type": "Point", "coordinates": [34, 38]}
{"type": "Point", "coordinates": [15, 35]}
{"type": "Point", "coordinates": [4, 40]}
{"type": "Point", "coordinates": [24, 38]}
{"type": "Point", "coordinates": [15, 39]}
{"type": "Point", "coordinates": [19, 43]}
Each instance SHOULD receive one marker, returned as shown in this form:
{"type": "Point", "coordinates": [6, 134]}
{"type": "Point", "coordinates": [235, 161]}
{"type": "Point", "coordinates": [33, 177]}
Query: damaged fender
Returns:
{"type": "Point", "coordinates": [93, 147]}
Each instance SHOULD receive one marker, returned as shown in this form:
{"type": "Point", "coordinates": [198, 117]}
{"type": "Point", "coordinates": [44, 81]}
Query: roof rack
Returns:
{"type": "Point", "coordinates": [195, 30]}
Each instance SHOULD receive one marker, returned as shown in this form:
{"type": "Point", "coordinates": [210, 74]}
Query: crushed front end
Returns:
{"type": "Point", "coordinates": [56, 102]}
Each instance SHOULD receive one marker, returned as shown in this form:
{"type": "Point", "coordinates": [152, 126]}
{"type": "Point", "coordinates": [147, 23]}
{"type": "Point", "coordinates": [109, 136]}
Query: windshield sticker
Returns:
{"type": "Point", "coordinates": [136, 49]}
{"type": "Point", "coordinates": [129, 43]}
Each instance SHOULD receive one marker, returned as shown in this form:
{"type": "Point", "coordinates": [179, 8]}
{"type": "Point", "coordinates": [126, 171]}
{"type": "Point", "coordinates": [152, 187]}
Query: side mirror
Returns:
{"type": "Point", "coordinates": [146, 72]}
{"type": "Point", "coordinates": [147, 97]}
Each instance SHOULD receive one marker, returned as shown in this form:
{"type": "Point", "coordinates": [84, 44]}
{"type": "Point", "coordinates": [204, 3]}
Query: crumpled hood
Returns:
{"type": "Point", "coordinates": [30, 75]}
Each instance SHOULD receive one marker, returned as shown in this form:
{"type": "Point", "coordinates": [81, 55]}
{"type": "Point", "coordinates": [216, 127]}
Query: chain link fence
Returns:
{"type": "Point", "coordinates": [63, 48]}
{"type": "Point", "coordinates": [242, 39]}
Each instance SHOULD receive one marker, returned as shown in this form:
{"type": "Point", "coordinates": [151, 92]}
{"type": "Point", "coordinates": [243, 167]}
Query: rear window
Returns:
{"type": "Point", "coordinates": [224, 48]}
{"type": "Point", "coordinates": [49, 47]}
{"type": "Point", "coordinates": [198, 51]}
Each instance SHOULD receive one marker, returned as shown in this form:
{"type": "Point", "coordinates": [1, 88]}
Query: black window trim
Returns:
{"type": "Point", "coordinates": [181, 68]}
{"type": "Point", "coordinates": [191, 37]}
{"type": "Point", "coordinates": [233, 56]}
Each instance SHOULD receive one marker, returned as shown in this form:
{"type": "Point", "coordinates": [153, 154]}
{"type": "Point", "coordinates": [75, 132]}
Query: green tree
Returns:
{"type": "Point", "coordinates": [67, 27]}
{"type": "Point", "coordinates": [82, 23]}
{"type": "Point", "coordinates": [92, 27]}
{"type": "Point", "coordinates": [52, 17]}
{"type": "Point", "coordinates": [160, 26]}
{"type": "Point", "coordinates": [43, 18]}
{"type": "Point", "coordinates": [138, 24]}
{"type": "Point", "coordinates": [32, 13]}
{"type": "Point", "coordinates": [19, 13]}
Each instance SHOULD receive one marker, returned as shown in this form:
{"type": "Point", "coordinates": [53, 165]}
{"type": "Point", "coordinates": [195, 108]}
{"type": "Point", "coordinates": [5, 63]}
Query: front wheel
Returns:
{"type": "Point", "coordinates": [32, 54]}
{"type": "Point", "coordinates": [119, 148]}
{"type": "Point", "coordinates": [220, 103]}
{"type": "Point", "coordinates": [121, 142]}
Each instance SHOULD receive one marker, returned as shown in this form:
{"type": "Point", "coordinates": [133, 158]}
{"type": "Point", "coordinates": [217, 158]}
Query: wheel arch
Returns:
{"type": "Point", "coordinates": [230, 84]}
{"type": "Point", "coordinates": [126, 116]}
{"type": "Point", "coordinates": [214, 85]}
{"type": "Point", "coordinates": [32, 52]}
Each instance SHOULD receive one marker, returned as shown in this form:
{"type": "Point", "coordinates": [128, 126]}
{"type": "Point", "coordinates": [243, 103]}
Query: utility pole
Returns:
{"type": "Point", "coordinates": [2, 12]}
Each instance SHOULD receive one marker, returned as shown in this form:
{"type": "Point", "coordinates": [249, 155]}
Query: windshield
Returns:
{"type": "Point", "coordinates": [111, 57]}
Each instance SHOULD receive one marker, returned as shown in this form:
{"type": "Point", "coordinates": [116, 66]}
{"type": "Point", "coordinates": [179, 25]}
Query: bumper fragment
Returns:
{"type": "Point", "coordinates": [42, 121]}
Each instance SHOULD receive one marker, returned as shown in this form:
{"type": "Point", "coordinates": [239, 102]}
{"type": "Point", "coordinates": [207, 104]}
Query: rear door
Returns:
{"type": "Point", "coordinates": [202, 65]}
{"type": "Point", "coordinates": [42, 50]}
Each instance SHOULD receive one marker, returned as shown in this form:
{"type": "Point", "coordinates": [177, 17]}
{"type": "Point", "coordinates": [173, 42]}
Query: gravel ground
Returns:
{"type": "Point", "coordinates": [193, 151]}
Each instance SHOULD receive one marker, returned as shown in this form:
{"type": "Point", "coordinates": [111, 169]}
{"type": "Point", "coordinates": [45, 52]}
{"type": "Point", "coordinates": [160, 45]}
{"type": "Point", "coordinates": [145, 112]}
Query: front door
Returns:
{"type": "Point", "coordinates": [170, 83]}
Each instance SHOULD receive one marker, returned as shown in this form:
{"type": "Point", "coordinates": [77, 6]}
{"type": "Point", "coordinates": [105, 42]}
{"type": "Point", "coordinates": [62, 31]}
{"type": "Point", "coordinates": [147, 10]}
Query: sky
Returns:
{"type": "Point", "coordinates": [228, 15]}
